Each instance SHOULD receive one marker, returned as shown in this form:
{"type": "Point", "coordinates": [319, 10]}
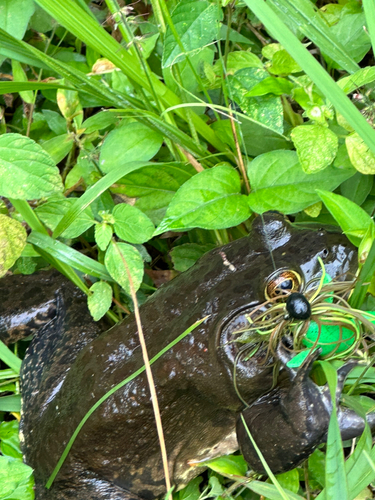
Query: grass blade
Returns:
{"type": "Point", "coordinates": [68, 255]}
{"type": "Point", "coordinates": [9, 358]}
{"type": "Point", "coordinates": [369, 8]}
{"type": "Point", "coordinates": [364, 279]}
{"type": "Point", "coordinates": [314, 70]}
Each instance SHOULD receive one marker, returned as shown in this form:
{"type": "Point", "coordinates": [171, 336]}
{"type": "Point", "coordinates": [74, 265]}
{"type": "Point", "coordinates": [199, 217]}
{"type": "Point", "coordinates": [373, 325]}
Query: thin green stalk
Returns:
{"type": "Point", "coordinates": [158, 13]}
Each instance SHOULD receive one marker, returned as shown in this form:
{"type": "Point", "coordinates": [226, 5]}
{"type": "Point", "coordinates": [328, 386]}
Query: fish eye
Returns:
{"type": "Point", "coordinates": [325, 253]}
{"type": "Point", "coordinates": [282, 283]}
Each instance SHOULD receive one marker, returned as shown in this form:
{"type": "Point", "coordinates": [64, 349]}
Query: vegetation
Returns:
{"type": "Point", "coordinates": [122, 123]}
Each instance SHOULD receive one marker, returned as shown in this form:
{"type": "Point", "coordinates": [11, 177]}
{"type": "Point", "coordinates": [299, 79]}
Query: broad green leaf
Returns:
{"type": "Point", "coordinates": [289, 480]}
{"type": "Point", "coordinates": [12, 242]}
{"type": "Point", "coordinates": [283, 64]}
{"type": "Point", "coordinates": [14, 16]}
{"type": "Point", "coordinates": [349, 30]}
{"type": "Point", "coordinates": [27, 172]}
{"type": "Point", "coordinates": [9, 440]}
{"type": "Point", "coordinates": [196, 23]}
{"type": "Point", "coordinates": [350, 217]}
{"type": "Point", "coordinates": [316, 467]}
{"type": "Point", "coordinates": [239, 60]}
{"type": "Point", "coordinates": [184, 256]}
{"type": "Point", "coordinates": [131, 224]}
{"type": "Point", "coordinates": [58, 147]}
{"type": "Point", "coordinates": [271, 85]}
{"type": "Point", "coordinates": [361, 157]}
{"type": "Point", "coordinates": [99, 121]}
{"type": "Point", "coordinates": [20, 76]}
{"type": "Point", "coordinates": [357, 188]}
{"type": "Point", "coordinates": [51, 213]}
{"type": "Point", "coordinates": [103, 235]}
{"type": "Point", "coordinates": [154, 187]}
{"type": "Point", "coordinates": [55, 121]}
{"type": "Point", "coordinates": [229, 464]}
{"type": "Point", "coordinates": [131, 142]}
{"type": "Point", "coordinates": [316, 146]}
{"type": "Point", "coordinates": [266, 109]}
{"type": "Point", "coordinates": [211, 199]}
{"type": "Point", "coordinates": [255, 138]}
{"type": "Point", "coordinates": [279, 183]}
{"type": "Point", "coordinates": [100, 300]}
{"type": "Point", "coordinates": [13, 472]}
{"type": "Point", "coordinates": [123, 260]}
{"type": "Point", "coordinates": [191, 491]}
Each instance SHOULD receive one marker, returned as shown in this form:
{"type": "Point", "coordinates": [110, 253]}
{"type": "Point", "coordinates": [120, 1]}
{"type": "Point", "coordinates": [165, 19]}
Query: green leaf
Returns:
{"type": "Point", "coordinates": [211, 199]}
{"type": "Point", "coordinates": [279, 183]}
{"type": "Point", "coordinates": [9, 358]}
{"type": "Point", "coordinates": [256, 137]}
{"type": "Point", "coordinates": [355, 40]}
{"type": "Point", "coordinates": [103, 235]}
{"type": "Point", "coordinates": [121, 260]}
{"type": "Point", "coordinates": [350, 217]}
{"type": "Point", "coordinates": [358, 79]}
{"type": "Point", "coordinates": [14, 16]}
{"type": "Point", "coordinates": [184, 256]}
{"type": "Point", "coordinates": [51, 213]}
{"type": "Point", "coordinates": [154, 187]}
{"type": "Point", "coordinates": [99, 121]}
{"type": "Point", "coordinates": [93, 193]}
{"type": "Point", "coordinates": [131, 142]}
{"type": "Point", "coordinates": [192, 490]}
{"type": "Point", "coordinates": [361, 157]}
{"type": "Point", "coordinates": [131, 224]}
{"type": "Point", "coordinates": [9, 440]}
{"type": "Point", "coordinates": [357, 188]}
{"type": "Point", "coordinates": [12, 242]}
{"type": "Point", "coordinates": [68, 255]}
{"type": "Point", "coordinates": [289, 480]}
{"type": "Point", "coordinates": [266, 109]}
{"type": "Point", "coordinates": [20, 76]}
{"type": "Point", "coordinates": [317, 467]}
{"type": "Point", "coordinates": [55, 121]}
{"type": "Point", "coordinates": [229, 464]}
{"type": "Point", "coordinates": [197, 23]}
{"type": "Point", "coordinates": [100, 300]}
{"type": "Point", "coordinates": [316, 146]}
{"type": "Point", "coordinates": [271, 85]}
{"type": "Point", "coordinates": [271, 492]}
{"type": "Point", "coordinates": [283, 64]}
{"type": "Point", "coordinates": [12, 474]}
{"type": "Point", "coordinates": [58, 147]}
{"type": "Point", "coordinates": [27, 172]}
{"type": "Point", "coordinates": [10, 403]}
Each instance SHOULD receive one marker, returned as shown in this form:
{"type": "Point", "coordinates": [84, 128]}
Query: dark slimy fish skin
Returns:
{"type": "Point", "coordinates": [73, 361]}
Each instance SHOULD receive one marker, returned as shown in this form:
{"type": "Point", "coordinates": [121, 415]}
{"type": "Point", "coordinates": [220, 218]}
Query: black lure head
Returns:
{"type": "Point", "coordinates": [298, 306]}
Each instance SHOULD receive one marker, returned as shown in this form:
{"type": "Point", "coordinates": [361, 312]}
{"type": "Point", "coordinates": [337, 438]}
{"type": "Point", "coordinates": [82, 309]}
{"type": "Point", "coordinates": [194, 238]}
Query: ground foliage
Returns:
{"type": "Point", "coordinates": [152, 132]}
